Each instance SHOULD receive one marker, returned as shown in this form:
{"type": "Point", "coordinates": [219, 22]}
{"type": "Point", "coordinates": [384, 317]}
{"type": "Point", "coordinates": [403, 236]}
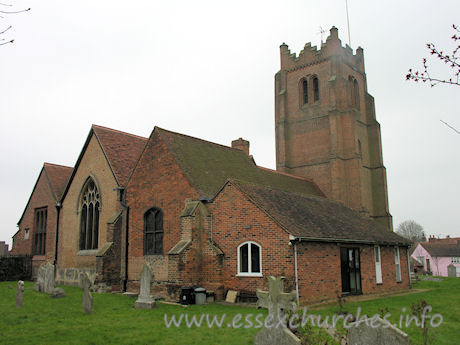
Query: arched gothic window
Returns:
{"type": "Point", "coordinates": [153, 231]}
{"type": "Point", "coordinates": [354, 92]}
{"type": "Point", "coordinates": [249, 259]}
{"type": "Point", "coordinates": [304, 91]}
{"type": "Point", "coordinates": [89, 216]}
{"type": "Point", "coordinates": [315, 89]}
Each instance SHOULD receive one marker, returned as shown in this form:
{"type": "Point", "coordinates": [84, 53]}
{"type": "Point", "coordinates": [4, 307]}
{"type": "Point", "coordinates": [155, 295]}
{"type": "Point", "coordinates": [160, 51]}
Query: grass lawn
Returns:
{"type": "Point", "coordinates": [43, 320]}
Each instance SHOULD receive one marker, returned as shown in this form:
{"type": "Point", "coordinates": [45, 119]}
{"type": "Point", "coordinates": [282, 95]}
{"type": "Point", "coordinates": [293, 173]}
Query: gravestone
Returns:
{"type": "Point", "coordinates": [451, 271]}
{"type": "Point", "coordinates": [144, 300]}
{"type": "Point", "coordinates": [57, 293]}
{"type": "Point", "coordinates": [40, 283]}
{"type": "Point", "coordinates": [276, 300]}
{"type": "Point", "coordinates": [20, 294]}
{"type": "Point", "coordinates": [45, 279]}
{"type": "Point", "coordinates": [383, 334]}
{"type": "Point", "coordinates": [231, 296]}
{"type": "Point", "coordinates": [87, 298]}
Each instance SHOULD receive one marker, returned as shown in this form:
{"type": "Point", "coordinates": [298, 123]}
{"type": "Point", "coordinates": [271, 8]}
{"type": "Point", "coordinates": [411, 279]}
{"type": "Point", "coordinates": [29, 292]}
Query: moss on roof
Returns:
{"type": "Point", "coordinates": [209, 165]}
{"type": "Point", "coordinates": [315, 218]}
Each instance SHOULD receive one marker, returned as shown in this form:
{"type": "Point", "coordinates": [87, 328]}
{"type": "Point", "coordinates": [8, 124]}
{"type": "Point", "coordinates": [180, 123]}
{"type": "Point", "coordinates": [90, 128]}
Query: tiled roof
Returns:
{"type": "Point", "coordinates": [208, 166]}
{"type": "Point", "coordinates": [442, 249]}
{"type": "Point", "coordinates": [317, 218]}
{"type": "Point", "coordinates": [58, 175]}
{"type": "Point", "coordinates": [121, 149]}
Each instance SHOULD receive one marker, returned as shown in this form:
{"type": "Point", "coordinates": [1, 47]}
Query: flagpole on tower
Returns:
{"type": "Point", "coordinates": [348, 23]}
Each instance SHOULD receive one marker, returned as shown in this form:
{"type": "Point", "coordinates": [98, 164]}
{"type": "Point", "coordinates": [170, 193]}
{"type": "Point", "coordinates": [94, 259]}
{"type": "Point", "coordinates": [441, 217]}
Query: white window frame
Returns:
{"type": "Point", "coordinates": [249, 273]}
{"type": "Point", "coordinates": [378, 264]}
{"type": "Point", "coordinates": [455, 260]}
{"type": "Point", "coordinates": [26, 233]}
{"type": "Point", "coordinates": [397, 265]}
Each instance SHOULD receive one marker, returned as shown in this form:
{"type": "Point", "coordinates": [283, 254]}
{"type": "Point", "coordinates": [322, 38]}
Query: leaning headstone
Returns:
{"type": "Point", "coordinates": [379, 332]}
{"type": "Point", "coordinates": [451, 271]}
{"type": "Point", "coordinates": [87, 299]}
{"type": "Point", "coordinates": [231, 296]}
{"type": "Point", "coordinates": [20, 294]}
{"type": "Point", "coordinates": [145, 301]}
{"type": "Point", "coordinates": [276, 300]}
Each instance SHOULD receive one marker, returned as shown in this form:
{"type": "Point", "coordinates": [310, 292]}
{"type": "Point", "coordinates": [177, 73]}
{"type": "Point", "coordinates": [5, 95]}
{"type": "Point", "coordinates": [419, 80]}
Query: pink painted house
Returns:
{"type": "Point", "coordinates": [437, 254]}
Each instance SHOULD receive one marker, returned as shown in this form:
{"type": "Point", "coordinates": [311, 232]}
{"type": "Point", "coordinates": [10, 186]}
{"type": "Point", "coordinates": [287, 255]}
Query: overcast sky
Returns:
{"type": "Point", "coordinates": [206, 69]}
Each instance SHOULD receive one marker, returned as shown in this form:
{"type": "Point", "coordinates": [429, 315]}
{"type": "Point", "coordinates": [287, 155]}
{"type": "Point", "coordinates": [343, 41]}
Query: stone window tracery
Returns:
{"type": "Point", "coordinates": [89, 216]}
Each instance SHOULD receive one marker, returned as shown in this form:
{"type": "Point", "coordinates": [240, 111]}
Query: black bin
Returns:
{"type": "Point", "coordinates": [187, 295]}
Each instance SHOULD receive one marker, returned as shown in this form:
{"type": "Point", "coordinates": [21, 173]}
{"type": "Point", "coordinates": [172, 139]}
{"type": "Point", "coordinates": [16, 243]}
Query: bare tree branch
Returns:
{"type": "Point", "coordinates": [452, 60]}
{"type": "Point", "coordinates": [450, 126]}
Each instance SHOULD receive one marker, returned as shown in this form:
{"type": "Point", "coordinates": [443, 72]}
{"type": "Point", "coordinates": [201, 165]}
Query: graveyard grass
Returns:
{"type": "Point", "coordinates": [44, 320]}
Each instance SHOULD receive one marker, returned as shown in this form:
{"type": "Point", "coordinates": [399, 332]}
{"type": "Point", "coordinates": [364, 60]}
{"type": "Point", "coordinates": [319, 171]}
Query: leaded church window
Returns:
{"type": "Point", "coordinates": [89, 216]}
{"type": "Point", "coordinates": [153, 232]}
{"type": "Point", "coordinates": [41, 215]}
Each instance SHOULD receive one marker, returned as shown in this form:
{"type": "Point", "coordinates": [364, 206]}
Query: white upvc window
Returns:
{"type": "Point", "coordinates": [249, 259]}
{"type": "Point", "coordinates": [455, 260]}
{"type": "Point", "coordinates": [378, 265]}
{"type": "Point", "coordinates": [398, 265]}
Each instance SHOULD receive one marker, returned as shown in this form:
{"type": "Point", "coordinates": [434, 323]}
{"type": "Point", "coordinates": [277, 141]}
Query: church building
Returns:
{"type": "Point", "coordinates": [205, 214]}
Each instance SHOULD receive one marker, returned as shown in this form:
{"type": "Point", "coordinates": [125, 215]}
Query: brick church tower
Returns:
{"type": "Point", "coordinates": [326, 127]}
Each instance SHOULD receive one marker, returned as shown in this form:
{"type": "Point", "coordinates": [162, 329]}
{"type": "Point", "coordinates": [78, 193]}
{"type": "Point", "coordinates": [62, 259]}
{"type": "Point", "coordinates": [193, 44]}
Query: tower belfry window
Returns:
{"type": "Point", "coordinates": [305, 91]}
{"type": "Point", "coordinates": [315, 89]}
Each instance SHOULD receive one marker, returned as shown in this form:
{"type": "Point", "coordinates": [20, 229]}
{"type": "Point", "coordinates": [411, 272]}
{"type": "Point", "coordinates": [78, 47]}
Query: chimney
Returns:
{"type": "Point", "coordinates": [241, 144]}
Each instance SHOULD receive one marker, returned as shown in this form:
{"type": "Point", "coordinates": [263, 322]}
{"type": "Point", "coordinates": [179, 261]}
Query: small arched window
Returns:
{"type": "Point", "coordinates": [249, 259]}
{"type": "Point", "coordinates": [360, 152]}
{"type": "Point", "coordinates": [153, 232]}
{"type": "Point", "coordinates": [315, 89]}
{"type": "Point", "coordinates": [89, 216]}
{"type": "Point", "coordinates": [356, 93]}
{"type": "Point", "coordinates": [304, 91]}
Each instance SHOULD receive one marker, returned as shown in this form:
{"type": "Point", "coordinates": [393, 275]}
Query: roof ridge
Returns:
{"type": "Point", "coordinates": [56, 165]}
{"type": "Point", "coordinates": [118, 131]}
{"type": "Point", "coordinates": [285, 191]}
{"type": "Point", "coordinates": [286, 174]}
{"type": "Point", "coordinates": [199, 139]}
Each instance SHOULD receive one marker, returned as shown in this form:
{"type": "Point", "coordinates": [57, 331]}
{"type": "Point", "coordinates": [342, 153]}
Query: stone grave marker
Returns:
{"type": "Point", "coordinates": [451, 271]}
{"type": "Point", "coordinates": [231, 296]}
{"type": "Point", "coordinates": [276, 300]}
{"type": "Point", "coordinates": [57, 293]}
{"type": "Point", "coordinates": [45, 279]}
{"type": "Point", "coordinates": [144, 300]}
{"type": "Point", "coordinates": [87, 298]}
{"type": "Point", "coordinates": [48, 284]}
{"type": "Point", "coordinates": [20, 294]}
{"type": "Point", "coordinates": [383, 334]}
{"type": "Point", "coordinates": [39, 285]}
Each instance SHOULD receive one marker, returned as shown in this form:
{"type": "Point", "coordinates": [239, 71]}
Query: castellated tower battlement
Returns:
{"type": "Point", "coordinates": [311, 55]}
{"type": "Point", "coordinates": [326, 128]}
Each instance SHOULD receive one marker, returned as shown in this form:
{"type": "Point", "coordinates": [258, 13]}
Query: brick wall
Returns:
{"type": "Point", "coordinates": [157, 181]}
{"type": "Point", "coordinates": [319, 270]}
{"type": "Point", "coordinates": [41, 197]}
{"type": "Point", "coordinates": [237, 220]}
{"type": "Point", "coordinates": [93, 164]}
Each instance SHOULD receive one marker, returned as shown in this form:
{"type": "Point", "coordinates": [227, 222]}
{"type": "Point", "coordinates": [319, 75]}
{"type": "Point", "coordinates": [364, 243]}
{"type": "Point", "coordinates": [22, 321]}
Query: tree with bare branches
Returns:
{"type": "Point", "coordinates": [3, 13]}
{"type": "Point", "coordinates": [451, 60]}
{"type": "Point", "coordinates": [411, 230]}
